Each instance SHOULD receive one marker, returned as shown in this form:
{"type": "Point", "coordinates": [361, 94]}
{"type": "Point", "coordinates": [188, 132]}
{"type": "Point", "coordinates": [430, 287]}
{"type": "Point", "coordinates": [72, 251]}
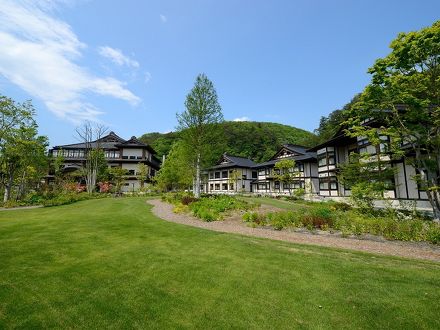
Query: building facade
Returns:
{"type": "Point", "coordinates": [127, 154]}
{"type": "Point", "coordinates": [336, 151]}
{"type": "Point", "coordinates": [266, 182]}
{"type": "Point", "coordinates": [234, 174]}
{"type": "Point", "coordinates": [317, 169]}
{"type": "Point", "coordinates": [231, 174]}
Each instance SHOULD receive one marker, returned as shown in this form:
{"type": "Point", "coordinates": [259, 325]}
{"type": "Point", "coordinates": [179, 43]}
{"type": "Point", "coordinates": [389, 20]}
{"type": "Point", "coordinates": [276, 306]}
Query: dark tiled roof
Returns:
{"type": "Point", "coordinates": [106, 142]}
{"type": "Point", "coordinates": [135, 143]}
{"type": "Point", "coordinates": [235, 161]}
{"type": "Point", "coordinates": [110, 142]}
{"type": "Point", "coordinates": [300, 158]}
{"type": "Point", "coordinates": [296, 148]}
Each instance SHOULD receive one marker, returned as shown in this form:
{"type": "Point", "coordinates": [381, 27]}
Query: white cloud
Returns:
{"type": "Point", "coordinates": [116, 56]}
{"type": "Point", "coordinates": [38, 54]}
{"type": "Point", "coordinates": [241, 119]}
{"type": "Point", "coordinates": [163, 18]}
{"type": "Point", "coordinates": [147, 77]}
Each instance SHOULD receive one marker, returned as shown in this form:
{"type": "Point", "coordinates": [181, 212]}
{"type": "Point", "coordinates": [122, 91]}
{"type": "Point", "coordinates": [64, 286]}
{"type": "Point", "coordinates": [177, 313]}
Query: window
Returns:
{"type": "Point", "coordinates": [131, 172]}
{"type": "Point", "coordinates": [211, 175]}
{"type": "Point", "coordinates": [244, 177]}
{"type": "Point", "coordinates": [254, 174]}
{"type": "Point", "coordinates": [224, 174]}
{"type": "Point", "coordinates": [231, 186]}
{"type": "Point", "coordinates": [277, 185]}
{"type": "Point", "coordinates": [217, 175]}
{"type": "Point", "coordinates": [262, 172]}
{"type": "Point", "coordinates": [331, 158]}
{"type": "Point", "coordinates": [262, 186]}
{"type": "Point", "coordinates": [224, 186]}
{"type": "Point", "coordinates": [211, 187]}
{"type": "Point", "coordinates": [299, 168]}
{"type": "Point", "coordinates": [132, 157]}
{"type": "Point", "coordinates": [217, 186]}
{"type": "Point", "coordinates": [322, 160]}
{"type": "Point", "coordinates": [328, 184]}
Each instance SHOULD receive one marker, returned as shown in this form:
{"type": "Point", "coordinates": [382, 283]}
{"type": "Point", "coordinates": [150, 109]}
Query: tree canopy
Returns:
{"type": "Point", "coordinates": [198, 124]}
{"type": "Point", "coordinates": [403, 98]}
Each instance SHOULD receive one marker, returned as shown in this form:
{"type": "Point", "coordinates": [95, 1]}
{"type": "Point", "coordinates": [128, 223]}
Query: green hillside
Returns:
{"type": "Point", "coordinates": [256, 140]}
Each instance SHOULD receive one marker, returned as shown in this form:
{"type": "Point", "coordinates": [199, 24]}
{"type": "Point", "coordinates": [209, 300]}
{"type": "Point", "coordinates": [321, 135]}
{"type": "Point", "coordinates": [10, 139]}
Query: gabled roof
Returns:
{"type": "Point", "coordinates": [106, 142]}
{"type": "Point", "coordinates": [300, 158]}
{"type": "Point", "coordinates": [287, 149]}
{"type": "Point", "coordinates": [134, 143]}
{"type": "Point", "coordinates": [227, 161]}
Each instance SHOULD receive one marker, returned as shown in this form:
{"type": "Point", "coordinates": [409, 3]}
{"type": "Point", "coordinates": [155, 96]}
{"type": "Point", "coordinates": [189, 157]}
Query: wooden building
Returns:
{"type": "Point", "coordinates": [118, 152]}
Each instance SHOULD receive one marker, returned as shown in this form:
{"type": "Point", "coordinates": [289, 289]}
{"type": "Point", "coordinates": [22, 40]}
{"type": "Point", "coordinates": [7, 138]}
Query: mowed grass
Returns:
{"type": "Point", "coordinates": [111, 264]}
{"type": "Point", "coordinates": [282, 204]}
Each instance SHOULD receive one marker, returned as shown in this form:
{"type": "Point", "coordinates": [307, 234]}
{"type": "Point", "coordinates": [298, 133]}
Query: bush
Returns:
{"type": "Point", "coordinates": [318, 217]}
{"type": "Point", "coordinates": [211, 208]}
{"type": "Point", "coordinates": [254, 218]}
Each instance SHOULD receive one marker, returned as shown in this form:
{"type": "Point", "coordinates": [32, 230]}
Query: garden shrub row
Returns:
{"type": "Point", "coordinates": [208, 207]}
{"type": "Point", "coordinates": [336, 217]}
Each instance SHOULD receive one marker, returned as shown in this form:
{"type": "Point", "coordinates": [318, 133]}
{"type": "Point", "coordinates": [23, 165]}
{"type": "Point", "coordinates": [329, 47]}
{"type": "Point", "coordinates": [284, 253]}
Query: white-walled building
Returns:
{"type": "Point", "coordinates": [118, 152]}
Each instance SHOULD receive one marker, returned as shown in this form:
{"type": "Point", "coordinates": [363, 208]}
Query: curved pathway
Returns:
{"type": "Point", "coordinates": [234, 225]}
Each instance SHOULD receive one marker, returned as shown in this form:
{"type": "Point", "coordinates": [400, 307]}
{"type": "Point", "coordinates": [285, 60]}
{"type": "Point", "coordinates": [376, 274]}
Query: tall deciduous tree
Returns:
{"type": "Point", "coordinates": [117, 176]}
{"type": "Point", "coordinates": [177, 172]}
{"type": "Point", "coordinates": [22, 151]}
{"type": "Point", "coordinates": [143, 174]}
{"type": "Point", "coordinates": [234, 177]}
{"type": "Point", "coordinates": [197, 123]}
{"type": "Point", "coordinates": [285, 173]}
{"type": "Point", "coordinates": [404, 97]}
{"type": "Point", "coordinates": [91, 134]}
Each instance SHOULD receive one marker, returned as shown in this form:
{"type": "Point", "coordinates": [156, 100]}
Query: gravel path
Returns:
{"type": "Point", "coordinates": [235, 225]}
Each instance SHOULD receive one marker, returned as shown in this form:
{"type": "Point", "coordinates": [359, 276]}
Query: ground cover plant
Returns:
{"type": "Point", "coordinates": [331, 216]}
{"type": "Point", "coordinates": [110, 263]}
{"type": "Point", "coordinates": [208, 207]}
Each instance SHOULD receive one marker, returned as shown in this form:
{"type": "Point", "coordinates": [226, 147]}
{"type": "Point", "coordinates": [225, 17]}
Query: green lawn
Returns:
{"type": "Point", "coordinates": [282, 204]}
{"type": "Point", "coordinates": [110, 263]}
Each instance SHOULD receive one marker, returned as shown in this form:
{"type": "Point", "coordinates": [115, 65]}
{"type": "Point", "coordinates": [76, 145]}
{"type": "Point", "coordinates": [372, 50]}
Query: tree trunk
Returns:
{"type": "Point", "coordinates": [8, 188]}
{"type": "Point", "coordinates": [197, 187]}
{"type": "Point", "coordinates": [21, 188]}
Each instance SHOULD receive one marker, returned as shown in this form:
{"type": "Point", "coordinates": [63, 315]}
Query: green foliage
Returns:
{"type": "Point", "coordinates": [198, 125]}
{"type": "Point", "coordinates": [22, 152]}
{"type": "Point", "coordinates": [330, 125]}
{"type": "Point", "coordinates": [332, 216]}
{"type": "Point", "coordinates": [367, 176]}
{"type": "Point", "coordinates": [212, 208]}
{"type": "Point", "coordinates": [284, 172]}
{"type": "Point", "coordinates": [255, 140]}
{"type": "Point", "coordinates": [177, 171]}
{"type": "Point", "coordinates": [117, 176]}
{"type": "Point", "coordinates": [207, 208]}
{"type": "Point", "coordinates": [403, 98]}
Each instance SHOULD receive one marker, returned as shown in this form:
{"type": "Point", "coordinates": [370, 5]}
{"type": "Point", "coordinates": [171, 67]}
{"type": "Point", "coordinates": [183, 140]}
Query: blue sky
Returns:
{"type": "Point", "coordinates": [129, 64]}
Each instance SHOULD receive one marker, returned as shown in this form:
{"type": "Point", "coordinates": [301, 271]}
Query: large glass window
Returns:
{"type": "Point", "coordinates": [224, 186]}
{"type": "Point", "coordinates": [224, 174]}
{"type": "Point", "coordinates": [217, 175]}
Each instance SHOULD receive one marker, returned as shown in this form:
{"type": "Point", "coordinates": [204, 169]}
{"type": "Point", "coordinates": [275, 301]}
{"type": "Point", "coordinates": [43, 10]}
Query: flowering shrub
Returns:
{"type": "Point", "coordinates": [105, 187]}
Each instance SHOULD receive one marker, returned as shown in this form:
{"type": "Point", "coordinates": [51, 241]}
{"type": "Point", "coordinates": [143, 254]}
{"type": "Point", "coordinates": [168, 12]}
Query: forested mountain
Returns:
{"type": "Point", "coordinates": [256, 140]}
